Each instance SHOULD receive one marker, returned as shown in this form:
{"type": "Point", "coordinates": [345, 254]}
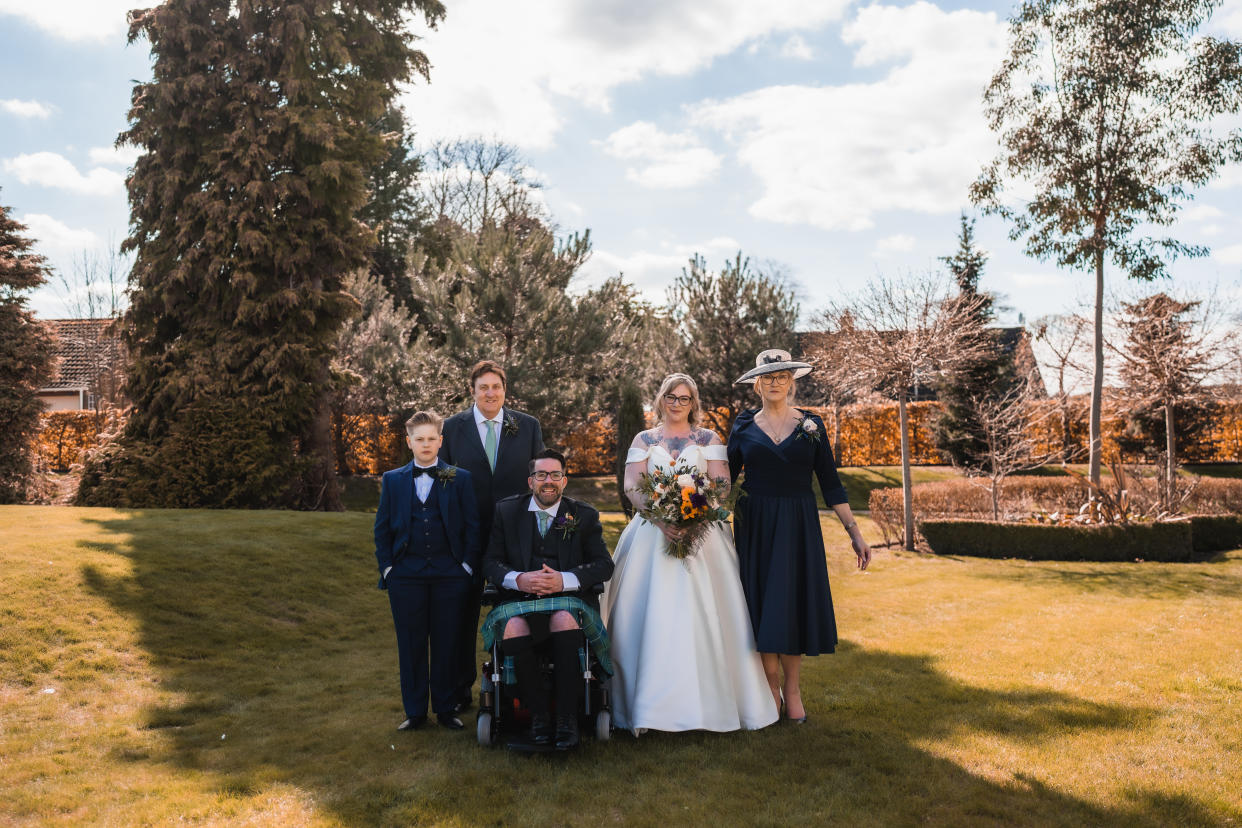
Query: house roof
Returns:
{"type": "Point", "coordinates": [85, 348]}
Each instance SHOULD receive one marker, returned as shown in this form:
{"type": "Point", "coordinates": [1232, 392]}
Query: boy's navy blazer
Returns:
{"type": "Point", "coordinates": [457, 509]}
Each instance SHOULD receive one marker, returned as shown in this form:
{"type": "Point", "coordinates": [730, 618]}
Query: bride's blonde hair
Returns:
{"type": "Point", "coordinates": [670, 382]}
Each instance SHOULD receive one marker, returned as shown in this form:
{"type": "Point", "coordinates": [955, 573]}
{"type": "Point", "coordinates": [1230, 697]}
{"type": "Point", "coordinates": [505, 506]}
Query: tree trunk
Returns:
{"type": "Point", "coordinates": [907, 492]}
{"type": "Point", "coordinates": [1067, 445]}
{"type": "Point", "coordinates": [1170, 447]}
{"type": "Point", "coordinates": [996, 498]}
{"type": "Point", "coordinates": [836, 432]}
{"type": "Point", "coordinates": [1097, 377]}
{"type": "Point", "coordinates": [324, 494]}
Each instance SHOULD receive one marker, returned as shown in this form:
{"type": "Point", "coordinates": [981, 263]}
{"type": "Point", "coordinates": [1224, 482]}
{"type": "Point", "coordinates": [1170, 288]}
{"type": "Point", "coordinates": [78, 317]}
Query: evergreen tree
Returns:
{"type": "Point", "coordinates": [725, 320]}
{"type": "Point", "coordinates": [258, 131]}
{"type": "Point", "coordinates": [630, 421]}
{"type": "Point", "coordinates": [958, 431]}
{"type": "Point", "coordinates": [396, 211]}
{"type": "Point", "coordinates": [26, 353]}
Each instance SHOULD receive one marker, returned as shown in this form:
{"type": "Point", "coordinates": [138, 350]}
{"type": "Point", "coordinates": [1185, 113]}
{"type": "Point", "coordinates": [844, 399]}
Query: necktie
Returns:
{"type": "Point", "coordinates": [489, 445]}
{"type": "Point", "coordinates": [544, 520]}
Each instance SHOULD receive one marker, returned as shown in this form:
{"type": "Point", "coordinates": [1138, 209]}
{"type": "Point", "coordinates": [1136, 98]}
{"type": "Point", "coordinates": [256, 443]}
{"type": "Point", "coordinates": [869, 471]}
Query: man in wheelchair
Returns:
{"type": "Point", "coordinates": [546, 546]}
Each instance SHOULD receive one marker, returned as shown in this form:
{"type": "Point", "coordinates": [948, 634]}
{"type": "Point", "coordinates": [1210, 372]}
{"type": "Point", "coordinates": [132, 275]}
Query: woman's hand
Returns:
{"type": "Point", "coordinates": [861, 549]}
{"type": "Point", "coordinates": [671, 533]}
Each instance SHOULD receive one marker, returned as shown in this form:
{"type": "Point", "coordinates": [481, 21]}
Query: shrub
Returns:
{"type": "Point", "coordinates": [1165, 542]}
{"type": "Point", "coordinates": [1216, 533]}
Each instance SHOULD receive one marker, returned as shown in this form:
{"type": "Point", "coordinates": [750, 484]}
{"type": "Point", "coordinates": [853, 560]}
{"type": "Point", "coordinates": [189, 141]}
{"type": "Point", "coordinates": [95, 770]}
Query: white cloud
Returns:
{"type": "Point", "coordinates": [48, 169]}
{"type": "Point", "coordinates": [1230, 255]}
{"type": "Point", "coordinates": [74, 19]}
{"type": "Point", "coordinates": [53, 238]}
{"type": "Point", "coordinates": [25, 109]}
{"type": "Point", "coordinates": [652, 271]}
{"type": "Point", "coordinates": [664, 160]}
{"type": "Point", "coordinates": [835, 156]}
{"type": "Point", "coordinates": [797, 49]}
{"type": "Point", "coordinates": [122, 156]}
{"type": "Point", "coordinates": [899, 243]}
{"type": "Point", "coordinates": [507, 71]}
{"type": "Point", "coordinates": [1201, 212]}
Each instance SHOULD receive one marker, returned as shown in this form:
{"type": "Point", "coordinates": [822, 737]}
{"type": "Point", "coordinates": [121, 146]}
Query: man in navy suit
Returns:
{"type": "Point", "coordinates": [544, 545]}
{"type": "Point", "coordinates": [427, 544]}
{"type": "Point", "coordinates": [495, 444]}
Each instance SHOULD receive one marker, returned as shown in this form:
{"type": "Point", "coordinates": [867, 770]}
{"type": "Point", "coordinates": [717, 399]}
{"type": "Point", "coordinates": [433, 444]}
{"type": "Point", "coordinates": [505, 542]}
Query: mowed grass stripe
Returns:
{"type": "Point", "coordinates": [238, 667]}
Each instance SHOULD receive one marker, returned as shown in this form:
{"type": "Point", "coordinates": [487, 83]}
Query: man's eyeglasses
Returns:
{"type": "Point", "coordinates": [673, 399]}
{"type": "Point", "coordinates": [555, 476]}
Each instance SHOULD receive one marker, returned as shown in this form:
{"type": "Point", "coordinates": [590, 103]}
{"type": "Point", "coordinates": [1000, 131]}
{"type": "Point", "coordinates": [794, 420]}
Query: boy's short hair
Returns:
{"type": "Point", "coordinates": [546, 454]}
{"type": "Point", "coordinates": [422, 418]}
{"type": "Point", "coordinates": [488, 366]}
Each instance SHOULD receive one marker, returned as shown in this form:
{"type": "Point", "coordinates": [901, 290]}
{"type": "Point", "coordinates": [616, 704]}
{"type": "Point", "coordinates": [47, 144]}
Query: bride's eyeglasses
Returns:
{"type": "Point", "coordinates": [554, 476]}
{"type": "Point", "coordinates": [673, 399]}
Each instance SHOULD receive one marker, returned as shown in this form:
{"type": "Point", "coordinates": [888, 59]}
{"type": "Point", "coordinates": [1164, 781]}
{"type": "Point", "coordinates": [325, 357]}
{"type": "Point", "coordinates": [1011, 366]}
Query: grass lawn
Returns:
{"type": "Point", "coordinates": [238, 668]}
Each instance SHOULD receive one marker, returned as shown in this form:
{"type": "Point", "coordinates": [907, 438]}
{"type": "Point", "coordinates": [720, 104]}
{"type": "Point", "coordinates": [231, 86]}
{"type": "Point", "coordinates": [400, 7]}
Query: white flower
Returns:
{"type": "Point", "coordinates": [660, 490]}
{"type": "Point", "coordinates": [685, 480]}
{"type": "Point", "coordinates": [809, 426]}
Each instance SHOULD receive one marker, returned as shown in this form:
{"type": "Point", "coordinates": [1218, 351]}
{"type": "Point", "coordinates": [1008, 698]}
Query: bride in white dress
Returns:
{"type": "Point", "coordinates": [682, 647]}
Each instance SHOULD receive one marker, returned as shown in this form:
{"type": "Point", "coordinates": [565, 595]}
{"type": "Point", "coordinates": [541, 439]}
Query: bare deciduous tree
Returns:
{"type": "Point", "coordinates": [1065, 338]}
{"type": "Point", "coordinates": [897, 334]}
{"type": "Point", "coordinates": [1170, 349]}
{"type": "Point", "coordinates": [1006, 424]}
{"type": "Point", "coordinates": [476, 183]}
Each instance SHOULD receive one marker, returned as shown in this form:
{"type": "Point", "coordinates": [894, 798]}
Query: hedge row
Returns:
{"type": "Point", "coordinates": [1165, 542]}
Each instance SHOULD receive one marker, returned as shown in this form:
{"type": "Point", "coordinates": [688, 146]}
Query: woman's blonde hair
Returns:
{"type": "Point", "coordinates": [670, 382]}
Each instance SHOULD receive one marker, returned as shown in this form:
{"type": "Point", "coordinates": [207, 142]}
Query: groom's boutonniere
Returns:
{"type": "Point", "coordinates": [567, 523]}
{"type": "Point", "coordinates": [447, 474]}
{"type": "Point", "coordinates": [510, 427]}
{"type": "Point", "coordinates": [808, 429]}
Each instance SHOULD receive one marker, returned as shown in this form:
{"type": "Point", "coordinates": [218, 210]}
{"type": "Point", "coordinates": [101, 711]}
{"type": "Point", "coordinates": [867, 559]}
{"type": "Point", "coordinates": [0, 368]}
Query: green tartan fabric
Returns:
{"type": "Point", "coordinates": [588, 619]}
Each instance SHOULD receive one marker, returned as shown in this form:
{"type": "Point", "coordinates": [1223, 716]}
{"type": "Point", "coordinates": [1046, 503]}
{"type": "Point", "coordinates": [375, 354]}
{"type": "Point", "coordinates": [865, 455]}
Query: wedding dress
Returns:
{"type": "Point", "coordinates": [682, 646]}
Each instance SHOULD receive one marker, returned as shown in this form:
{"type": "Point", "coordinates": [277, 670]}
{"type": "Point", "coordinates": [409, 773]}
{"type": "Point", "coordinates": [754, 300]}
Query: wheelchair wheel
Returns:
{"type": "Point", "coordinates": [603, 726]}
{"type": "Point", "coordinates": [486, 729]}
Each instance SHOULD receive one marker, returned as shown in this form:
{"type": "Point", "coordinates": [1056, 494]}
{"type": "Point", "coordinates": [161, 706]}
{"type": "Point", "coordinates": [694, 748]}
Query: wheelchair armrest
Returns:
{"type": "Point", "coordinates": [491, 594]}
{"type": "Point", "coordinates": [597, 589]}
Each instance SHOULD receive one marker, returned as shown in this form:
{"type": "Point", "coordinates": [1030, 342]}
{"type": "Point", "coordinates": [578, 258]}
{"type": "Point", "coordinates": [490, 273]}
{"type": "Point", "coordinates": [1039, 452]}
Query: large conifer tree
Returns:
{"type": "Point", "coordinates": [258, 132]}
{"type": "Point", "coordinates": [25, 357]}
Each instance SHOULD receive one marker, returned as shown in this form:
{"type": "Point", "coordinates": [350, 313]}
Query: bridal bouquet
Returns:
{"type": "Point", "coordinates": [685, 498]}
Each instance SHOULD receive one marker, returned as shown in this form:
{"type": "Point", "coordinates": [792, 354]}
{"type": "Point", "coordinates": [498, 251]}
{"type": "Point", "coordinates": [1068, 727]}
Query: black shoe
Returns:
{"type": "Point", "coordinates": [541, 729]}
{"type": "Point", "coordinates": [413, 723]}
{"type": "Point", "coordinates": [464, 703]}
{"type": "Point", "coordinates": [450, 721]}
{"type": "Point", "coordinates": [566, 732]}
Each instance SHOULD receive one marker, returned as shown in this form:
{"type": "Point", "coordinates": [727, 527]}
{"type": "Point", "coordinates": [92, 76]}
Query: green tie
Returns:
{"type": "Point", "coordinates": [489, 445]}
{"type": "Point", "coordinates": [544, 518]}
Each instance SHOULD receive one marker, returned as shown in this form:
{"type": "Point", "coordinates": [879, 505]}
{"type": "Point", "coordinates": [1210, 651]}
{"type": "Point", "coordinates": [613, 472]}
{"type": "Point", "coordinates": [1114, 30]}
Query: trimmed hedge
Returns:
{"type": "Point", "coordinates": [1216, 533]}
{"type": "Point", "coordinates": [1165, 542]}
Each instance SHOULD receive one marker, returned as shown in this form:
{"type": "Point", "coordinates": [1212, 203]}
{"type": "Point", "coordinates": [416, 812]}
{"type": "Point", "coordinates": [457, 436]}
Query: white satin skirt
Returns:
{"type": "Point", "coordinates": [682, 647]}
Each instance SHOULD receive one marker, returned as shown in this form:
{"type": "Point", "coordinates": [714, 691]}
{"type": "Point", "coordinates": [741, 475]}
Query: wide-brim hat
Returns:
{"type": "Point", "coordinates": [771, 361]}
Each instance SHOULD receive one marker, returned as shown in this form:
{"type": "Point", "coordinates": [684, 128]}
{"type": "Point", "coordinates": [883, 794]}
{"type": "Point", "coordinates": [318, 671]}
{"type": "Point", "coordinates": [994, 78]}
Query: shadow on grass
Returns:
{"type": "Point", "coordinates": [267, 633]}
{"type": "Point", "coordinates": [1217, 576]}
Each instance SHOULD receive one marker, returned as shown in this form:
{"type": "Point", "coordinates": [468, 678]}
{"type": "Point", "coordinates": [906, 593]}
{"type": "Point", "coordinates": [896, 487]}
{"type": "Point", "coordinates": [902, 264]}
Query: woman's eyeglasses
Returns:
{"type": "Point", "coordinates": [673, 399]}
{"type": "Point", "coordinates": [555, 476]}
{"type": "Point", "coordinates": [776, 378]}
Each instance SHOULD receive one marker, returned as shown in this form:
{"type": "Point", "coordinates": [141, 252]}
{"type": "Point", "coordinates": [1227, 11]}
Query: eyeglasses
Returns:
{"type": "Point", "coordinates": [555, 476]}
{"type": "Point", "coordinates": [673, 399]}
{"type": "Point", "coordinates": [776, 378]}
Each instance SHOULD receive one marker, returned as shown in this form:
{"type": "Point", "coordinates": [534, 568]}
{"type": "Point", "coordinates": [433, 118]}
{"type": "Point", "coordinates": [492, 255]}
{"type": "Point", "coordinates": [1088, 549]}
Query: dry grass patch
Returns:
{"type": "Point", "coordinates": [965, 692]}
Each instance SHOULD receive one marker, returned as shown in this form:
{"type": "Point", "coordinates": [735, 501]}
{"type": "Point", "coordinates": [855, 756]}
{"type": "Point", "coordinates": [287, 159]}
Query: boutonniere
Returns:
{"type": "Point", "coordinates": [808, 429]}
{"type": "Point", "coordinates": [510, 427]}
{"type": "Point", "coordinates": [567, 523]}
{"type": "Point", "coordinates": [447, 474]}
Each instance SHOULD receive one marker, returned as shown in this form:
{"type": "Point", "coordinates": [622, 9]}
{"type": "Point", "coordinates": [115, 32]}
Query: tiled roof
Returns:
{"type": "Point", "coordinates": [85, 348]}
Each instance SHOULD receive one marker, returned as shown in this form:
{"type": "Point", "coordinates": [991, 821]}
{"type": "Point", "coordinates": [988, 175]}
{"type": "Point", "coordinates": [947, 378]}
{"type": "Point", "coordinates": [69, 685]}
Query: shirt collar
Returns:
{"type": "Point", "coordinates": [551, 510]}
{"type": "Point", "coordinates": [432, 466]}
{"type": "Point", "coordinates": [479, 419]}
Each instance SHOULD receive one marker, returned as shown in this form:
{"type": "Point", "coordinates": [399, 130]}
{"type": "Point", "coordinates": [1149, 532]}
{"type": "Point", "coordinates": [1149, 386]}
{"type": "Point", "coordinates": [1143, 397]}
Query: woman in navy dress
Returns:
{"type": "Point", "coordinates": [776, 526]}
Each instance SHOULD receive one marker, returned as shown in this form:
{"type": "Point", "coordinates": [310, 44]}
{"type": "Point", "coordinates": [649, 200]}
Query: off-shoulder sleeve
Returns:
{"type": "Point", "coordinates": [716, 452]}
{"type": "Point", "coordinates": [637, 455]}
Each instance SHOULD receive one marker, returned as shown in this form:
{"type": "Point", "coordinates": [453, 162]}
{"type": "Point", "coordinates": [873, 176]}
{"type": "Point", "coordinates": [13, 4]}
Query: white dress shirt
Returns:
{"type": "Point", "coordinates": [570, 579]}
{"type": "Point", "coordinates": [480, 422]}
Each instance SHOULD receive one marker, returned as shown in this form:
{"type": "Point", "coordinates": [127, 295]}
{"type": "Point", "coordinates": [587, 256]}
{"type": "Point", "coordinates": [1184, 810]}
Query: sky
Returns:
{"type": "Point", "coordinates": [828, 140]}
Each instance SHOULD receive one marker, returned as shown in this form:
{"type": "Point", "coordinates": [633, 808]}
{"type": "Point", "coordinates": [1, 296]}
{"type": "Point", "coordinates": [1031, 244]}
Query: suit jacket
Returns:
{"type": "Point", "coordinates": [579, 550]}
{"type": "Point", "coordinates": [457, 509]}
{"type": "Point", "coordinates": [463, 447]}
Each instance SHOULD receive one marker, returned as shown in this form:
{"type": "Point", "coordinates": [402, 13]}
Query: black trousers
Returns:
{"type": "Point", "coordinates": [426, 611]}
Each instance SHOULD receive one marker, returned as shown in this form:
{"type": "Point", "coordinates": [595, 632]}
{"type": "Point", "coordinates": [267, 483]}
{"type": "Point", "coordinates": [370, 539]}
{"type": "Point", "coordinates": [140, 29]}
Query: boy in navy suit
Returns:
{"type": "Point", "coordinates": [427, 544]}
